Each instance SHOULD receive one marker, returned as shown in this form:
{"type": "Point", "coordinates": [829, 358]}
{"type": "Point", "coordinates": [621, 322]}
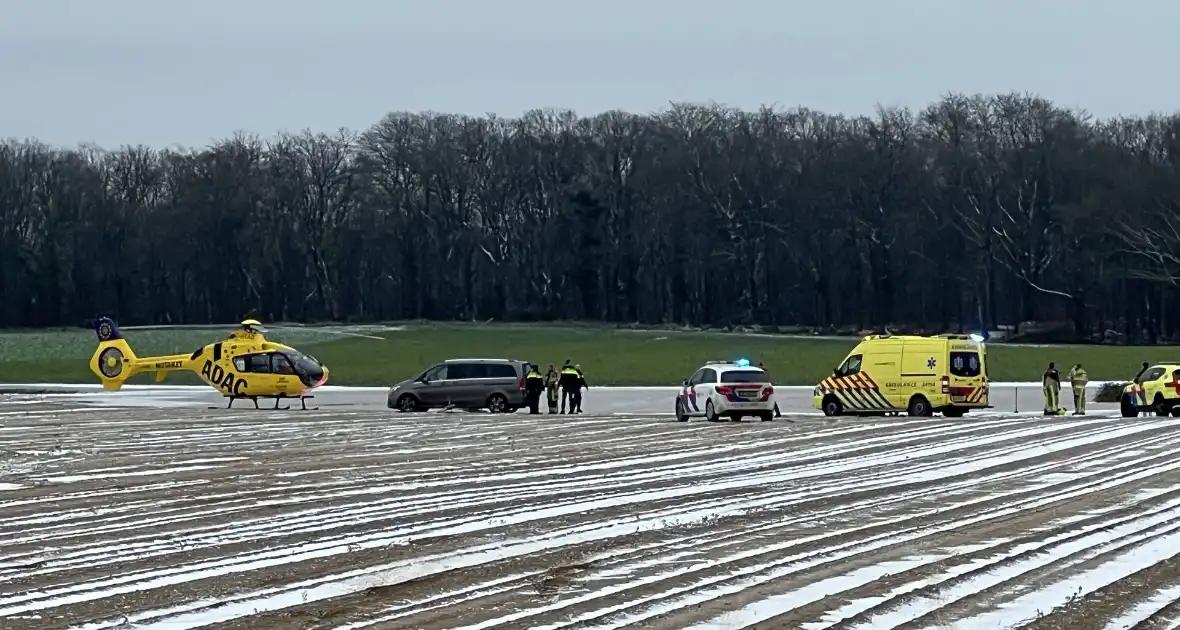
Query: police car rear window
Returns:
{"type": "Point", "coordinates": [965, 364]}
{"type": "Point", "coordinates": [743, 376]}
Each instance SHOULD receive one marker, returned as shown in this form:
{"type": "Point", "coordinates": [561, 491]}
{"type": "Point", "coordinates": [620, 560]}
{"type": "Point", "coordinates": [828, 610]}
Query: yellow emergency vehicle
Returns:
{"type": "Point", "coordinates": [888, 374]}
{"type": "Point", "coordinates": [1155, 390]}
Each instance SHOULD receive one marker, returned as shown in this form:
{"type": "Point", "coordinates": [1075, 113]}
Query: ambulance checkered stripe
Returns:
{"type": "Point", "coordinates": [856, 391]}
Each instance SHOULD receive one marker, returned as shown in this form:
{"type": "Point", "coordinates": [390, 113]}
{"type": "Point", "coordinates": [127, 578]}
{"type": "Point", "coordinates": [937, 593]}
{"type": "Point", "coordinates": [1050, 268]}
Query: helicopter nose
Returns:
{"type": "Point", "coordinates": [321, 378]}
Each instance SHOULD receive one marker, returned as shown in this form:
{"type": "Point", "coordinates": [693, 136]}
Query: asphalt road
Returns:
{"type": "Point", "coordinates": [630, 401]}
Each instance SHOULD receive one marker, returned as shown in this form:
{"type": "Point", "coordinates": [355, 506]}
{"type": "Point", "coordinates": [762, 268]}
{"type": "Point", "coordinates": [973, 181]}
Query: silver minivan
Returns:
{"type": "Point", "coordinates": [493, 384]}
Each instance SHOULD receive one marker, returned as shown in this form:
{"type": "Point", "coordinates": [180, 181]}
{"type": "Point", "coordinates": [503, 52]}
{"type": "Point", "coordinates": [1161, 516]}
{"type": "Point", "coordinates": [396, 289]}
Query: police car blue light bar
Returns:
{"type": "Point", "coordinates": [742, 363]}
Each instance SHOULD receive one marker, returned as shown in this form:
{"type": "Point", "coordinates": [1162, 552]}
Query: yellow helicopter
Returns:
{"type": "Point", "coordinates": [243, 365]}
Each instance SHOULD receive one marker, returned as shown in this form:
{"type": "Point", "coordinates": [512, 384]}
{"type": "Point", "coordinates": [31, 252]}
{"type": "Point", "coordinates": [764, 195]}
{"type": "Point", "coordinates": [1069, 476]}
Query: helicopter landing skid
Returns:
{"type": "Point", "coordinates": [302, 402]}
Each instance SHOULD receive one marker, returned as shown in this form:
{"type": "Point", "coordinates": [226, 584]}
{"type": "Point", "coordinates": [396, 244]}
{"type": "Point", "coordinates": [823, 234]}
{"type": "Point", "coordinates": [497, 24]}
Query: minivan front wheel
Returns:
{"type": "Point", "coordinates": [407, 403]}
{"type": "Point", "coordinates": [497, 403]}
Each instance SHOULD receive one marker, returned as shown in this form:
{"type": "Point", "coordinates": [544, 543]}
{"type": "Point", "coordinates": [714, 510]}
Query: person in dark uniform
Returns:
{"type": "Point", "coordinates": [579, 385]}
{"type": "Point", "coordinates": [569, 384]}
{"type": "Point", "coordinates": [534, 386]}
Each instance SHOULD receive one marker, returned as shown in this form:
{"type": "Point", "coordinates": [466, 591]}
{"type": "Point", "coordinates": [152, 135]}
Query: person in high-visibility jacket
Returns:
{"type": "Point", "coordinates": [534, 385]}
{"type": "Point", "coordinates": [551, 381]}
{"type": "Point", "coordinates": [569, 382]}
{"type": "Point", "coordinates": [1078, 380]}
{"type": "Point", "coordinates": [1051, 384]}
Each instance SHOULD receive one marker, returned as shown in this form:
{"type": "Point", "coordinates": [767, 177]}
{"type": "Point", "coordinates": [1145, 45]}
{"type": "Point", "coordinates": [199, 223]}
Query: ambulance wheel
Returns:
{"type": "Point", "coordinates": [1160, 406]}
{"type": "Point", "coordinates": [919, 406]}
{"type": "Point", "coordinates": [1128, 408]}
{"type": "Point", "coordinates": [407, 403]}
{"type": "Point", "coordinates": [832, 406]}
{"type": "Point", "coordinates": [710, 413]}
{"type": "Point", "coordinates": [953, 412]}
{"type": "Point", "coordinates": [1176, 412]}
{"type": "Point", "coordinates": [680, 415]}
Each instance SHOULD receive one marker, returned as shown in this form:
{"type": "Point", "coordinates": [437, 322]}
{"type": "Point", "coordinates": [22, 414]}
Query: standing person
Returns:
{"type": "Point", "coordinates": [777, 414]}
{"type": "Point", "coordinates": [579, 385]}
{"type": "Point", "coordinates": [534, 384]}
{"type": "Point", "coordinates": [1138, 391]}
{"type": "Point", "coordinates": [551, 379]}
{"type": "Point", "coordinates": [567, 380]}
{"type": "Point", "coordinates": [1051, 384]}
{"type": "Point", "coordinates": [1078, 380]}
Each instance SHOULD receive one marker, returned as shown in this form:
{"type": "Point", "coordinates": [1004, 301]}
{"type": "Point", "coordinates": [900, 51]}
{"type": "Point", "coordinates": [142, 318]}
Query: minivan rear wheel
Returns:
{"type": "Point", "coordinates": [497, 403]}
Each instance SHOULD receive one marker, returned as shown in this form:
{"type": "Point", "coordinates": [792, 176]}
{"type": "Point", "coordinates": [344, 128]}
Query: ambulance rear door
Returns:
{"type": "Point", "coordinates": [965, 378]}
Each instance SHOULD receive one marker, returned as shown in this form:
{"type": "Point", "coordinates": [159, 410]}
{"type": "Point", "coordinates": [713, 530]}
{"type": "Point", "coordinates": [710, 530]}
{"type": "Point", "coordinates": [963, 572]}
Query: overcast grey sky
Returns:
{"type": "Point", "coordinates": [163, 72]}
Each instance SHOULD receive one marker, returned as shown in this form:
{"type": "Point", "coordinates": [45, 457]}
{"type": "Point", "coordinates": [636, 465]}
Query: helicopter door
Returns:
{"type": "Point", "coordinates": [258, 363]}
{"type": "Point", "coordinates": [280, 364]}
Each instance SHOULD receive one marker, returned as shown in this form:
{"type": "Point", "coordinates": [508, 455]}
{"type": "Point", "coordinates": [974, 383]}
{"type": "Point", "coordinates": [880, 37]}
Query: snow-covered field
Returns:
{"type": "Point", "coordinates": [342, 518]}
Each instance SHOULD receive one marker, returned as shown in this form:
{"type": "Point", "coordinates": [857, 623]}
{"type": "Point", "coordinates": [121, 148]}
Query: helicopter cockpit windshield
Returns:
{"type": "Point", "coordinates": [310, 371]}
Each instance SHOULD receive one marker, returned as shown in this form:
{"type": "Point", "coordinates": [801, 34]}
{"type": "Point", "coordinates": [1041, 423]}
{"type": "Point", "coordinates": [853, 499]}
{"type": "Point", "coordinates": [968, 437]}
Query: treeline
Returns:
{"type": "Point", "coordinates": [978, 210]}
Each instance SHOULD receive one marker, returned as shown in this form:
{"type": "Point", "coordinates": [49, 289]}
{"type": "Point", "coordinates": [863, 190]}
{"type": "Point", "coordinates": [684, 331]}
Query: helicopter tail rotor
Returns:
{"type": "Point", "coordinates": [113, 360]}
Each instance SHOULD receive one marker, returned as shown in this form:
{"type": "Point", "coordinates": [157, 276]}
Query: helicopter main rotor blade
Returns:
{"type": "Point", "coordinates": [299, 327]}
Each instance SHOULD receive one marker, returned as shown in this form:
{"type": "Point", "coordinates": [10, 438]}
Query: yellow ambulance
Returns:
{"type": "Point", "coordinates": [888, 374]}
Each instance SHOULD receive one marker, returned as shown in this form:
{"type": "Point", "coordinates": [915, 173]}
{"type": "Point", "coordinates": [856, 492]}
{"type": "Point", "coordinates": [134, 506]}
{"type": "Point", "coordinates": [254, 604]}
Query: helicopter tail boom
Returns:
{"type": "Point", "coordinates": [114, 361]}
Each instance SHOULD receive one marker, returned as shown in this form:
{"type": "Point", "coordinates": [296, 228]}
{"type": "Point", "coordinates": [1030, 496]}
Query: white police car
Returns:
{"type": "Point", "coordinates": [726, 388]}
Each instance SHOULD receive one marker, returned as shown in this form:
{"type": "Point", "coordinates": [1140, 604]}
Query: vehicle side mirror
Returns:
{"type": "Point", "coordinates": [684, 382]}
{"type": "Point", "coordinates": [835, 371]}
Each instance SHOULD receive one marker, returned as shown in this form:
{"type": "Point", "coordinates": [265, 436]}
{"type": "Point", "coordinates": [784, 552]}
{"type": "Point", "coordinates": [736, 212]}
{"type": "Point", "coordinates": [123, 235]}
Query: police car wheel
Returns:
{"type": "Point", "coordinates": [710, 413]}
{"type": "Point", "coordinates": [680, 415]}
